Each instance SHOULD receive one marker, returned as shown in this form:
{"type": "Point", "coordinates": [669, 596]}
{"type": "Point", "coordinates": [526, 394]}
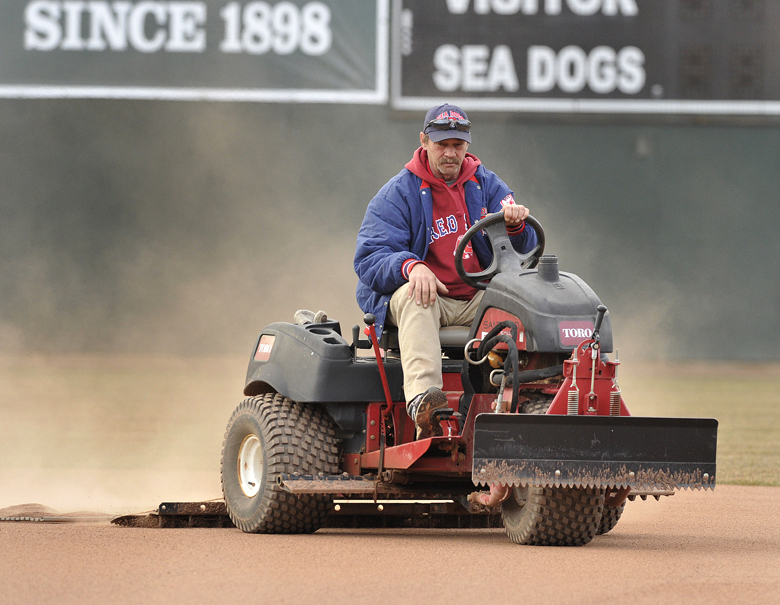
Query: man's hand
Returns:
{"type": "Point", "coordinates": [514, 214]}
{"type": "Point", "coordinates": [424, 285]}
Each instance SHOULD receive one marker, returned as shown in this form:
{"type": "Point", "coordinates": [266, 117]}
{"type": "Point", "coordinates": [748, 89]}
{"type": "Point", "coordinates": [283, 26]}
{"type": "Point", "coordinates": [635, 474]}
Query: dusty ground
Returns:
{"type": "Point", "coordinates": [695, 547]}
{"type": "Point", "coordinates": [120, 435]}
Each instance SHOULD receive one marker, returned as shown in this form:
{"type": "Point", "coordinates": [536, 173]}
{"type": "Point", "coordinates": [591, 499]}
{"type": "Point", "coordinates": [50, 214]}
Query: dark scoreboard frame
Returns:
{"type": "Point", "coordinates": [699, 57]}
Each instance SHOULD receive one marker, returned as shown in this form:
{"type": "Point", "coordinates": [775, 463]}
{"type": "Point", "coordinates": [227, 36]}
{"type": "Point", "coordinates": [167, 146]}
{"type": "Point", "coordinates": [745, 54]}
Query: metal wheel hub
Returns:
{"type": "Point", "coordinates": [520, 495]}
{"type": "Point", "coordinates": [250, 466]}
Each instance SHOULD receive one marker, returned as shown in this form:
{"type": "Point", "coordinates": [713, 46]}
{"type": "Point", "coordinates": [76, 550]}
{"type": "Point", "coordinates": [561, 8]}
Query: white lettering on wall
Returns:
{"type": "Point", "coordinates": [186, 31]}
{"type": "Point", "coordinates": [73, 40]}
{"type": "Point", "coordinates": [108, 26]}
{"type": "Point", "coordinates": [138, 19]}
{"type": "Point", "coordinates": [549, 7]}
{"type": "Point", "coordinates": [43, 29]}
{"type": "Point", "coordinates": [282, 28]}
{"type": "Point", "coordinates": [149, 26]}
{"type": "Point", "coordinates": [603, 70]}
{"type": "Point", "coordinates": [116, 25]}
{"type": "Point", "coordinates": [474, 68]}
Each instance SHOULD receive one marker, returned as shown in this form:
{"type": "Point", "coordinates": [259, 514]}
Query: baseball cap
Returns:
{"type": "Point", "coordinates": [447, 122]}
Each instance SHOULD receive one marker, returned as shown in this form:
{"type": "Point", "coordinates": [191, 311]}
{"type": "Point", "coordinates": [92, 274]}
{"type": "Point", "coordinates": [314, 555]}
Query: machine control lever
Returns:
{"type": "Point", "coordinates": [357, 343]}
{"type": "Point", "coordinates": [601, 311]}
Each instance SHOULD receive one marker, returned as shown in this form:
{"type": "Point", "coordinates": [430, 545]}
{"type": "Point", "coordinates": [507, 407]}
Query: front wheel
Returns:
{"type": "Point", "coordinates": [610, 518]}
{"type": "Point", "coordinates": [552, 516]}
{"type": "Point", "coordinates": [267, 436]}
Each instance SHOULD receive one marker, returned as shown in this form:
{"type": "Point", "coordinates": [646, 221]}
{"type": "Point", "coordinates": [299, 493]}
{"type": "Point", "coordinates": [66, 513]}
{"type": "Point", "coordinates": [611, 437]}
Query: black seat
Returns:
{"type": "Point", "coordinates": [452, 339]}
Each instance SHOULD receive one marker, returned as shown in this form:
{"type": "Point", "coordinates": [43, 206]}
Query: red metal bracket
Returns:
{"type": "Point", "coordinates": [600, 376]}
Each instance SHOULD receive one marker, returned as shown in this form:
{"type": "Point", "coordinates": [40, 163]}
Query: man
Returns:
{"type": "Point", "coordinates": [405, 256]}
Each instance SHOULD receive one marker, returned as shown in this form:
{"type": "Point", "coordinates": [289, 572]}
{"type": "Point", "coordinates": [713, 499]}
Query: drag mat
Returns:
{"type": "Point", "coordinates": [344, 514]}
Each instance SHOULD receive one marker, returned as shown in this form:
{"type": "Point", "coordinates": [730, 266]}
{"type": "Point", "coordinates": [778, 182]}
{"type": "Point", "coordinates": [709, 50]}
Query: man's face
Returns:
{"type": "Point", "coordinates": [445, 157]}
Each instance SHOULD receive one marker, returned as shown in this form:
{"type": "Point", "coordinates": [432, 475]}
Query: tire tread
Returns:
{"type": "Point", "coordinates": [299, 438]}
{"type": "Point", "coordinates": [554, 516]}
{"type": "Point", "coordinates": [610, 518]}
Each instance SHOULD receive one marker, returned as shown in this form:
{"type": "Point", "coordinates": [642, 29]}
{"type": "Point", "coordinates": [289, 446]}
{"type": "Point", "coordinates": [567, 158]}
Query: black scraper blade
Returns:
{"type": "Point", "coordinates": [595, 451]}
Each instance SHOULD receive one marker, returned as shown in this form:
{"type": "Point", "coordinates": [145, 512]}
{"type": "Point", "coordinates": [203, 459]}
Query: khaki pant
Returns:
{"type": "Point", "coordinates": [418, 335]}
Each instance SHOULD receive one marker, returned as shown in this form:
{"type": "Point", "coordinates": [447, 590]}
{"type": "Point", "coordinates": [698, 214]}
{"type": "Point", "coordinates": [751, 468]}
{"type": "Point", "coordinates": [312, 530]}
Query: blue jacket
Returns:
{"type": "Point", "coordinates": [398, 225]}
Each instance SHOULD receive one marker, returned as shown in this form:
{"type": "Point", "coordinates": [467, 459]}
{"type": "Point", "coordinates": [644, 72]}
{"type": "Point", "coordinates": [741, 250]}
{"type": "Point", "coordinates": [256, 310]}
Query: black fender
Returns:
{"type": "Point", "coordinates": [313, 363]}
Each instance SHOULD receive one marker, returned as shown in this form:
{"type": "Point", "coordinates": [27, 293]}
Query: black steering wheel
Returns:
{"type": "Point", "coordinates": [505, 257]}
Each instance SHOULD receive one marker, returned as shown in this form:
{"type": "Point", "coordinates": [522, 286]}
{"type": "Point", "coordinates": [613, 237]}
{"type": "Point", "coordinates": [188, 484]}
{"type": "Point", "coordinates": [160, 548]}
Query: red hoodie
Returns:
{"type": "Point", "coordinates": [450, 223]}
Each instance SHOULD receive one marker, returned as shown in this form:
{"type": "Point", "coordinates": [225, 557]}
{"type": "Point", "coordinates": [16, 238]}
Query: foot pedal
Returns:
{"type": "Point", "coordinates": [443, 414]}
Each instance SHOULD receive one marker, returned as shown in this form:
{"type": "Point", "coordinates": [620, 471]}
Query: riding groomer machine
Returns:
{"type": "Point", "coordinates": [536, 417]}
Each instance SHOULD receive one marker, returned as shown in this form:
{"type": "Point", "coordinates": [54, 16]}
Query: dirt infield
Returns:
{"type": "Point", "coordinates": [695, 547]}
{"type": "Point", "coordinates": [121, 435]}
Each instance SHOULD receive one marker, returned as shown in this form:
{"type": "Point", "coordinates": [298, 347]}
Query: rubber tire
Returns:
{"type": "Point", "coordinates": [295, 438]}
{"type": "Point", "coordinates": [552, 516]}
{"type": "Point", "coordinates": [537, 404]}
{"type": "Point", "coordinates": [609, 518]}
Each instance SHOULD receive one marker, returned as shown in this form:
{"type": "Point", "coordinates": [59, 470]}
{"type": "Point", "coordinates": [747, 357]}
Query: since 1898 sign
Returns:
{"type": "Point", "coordinates": [597, 56]}
{"type": "Point", "coordinates": [261, 50]}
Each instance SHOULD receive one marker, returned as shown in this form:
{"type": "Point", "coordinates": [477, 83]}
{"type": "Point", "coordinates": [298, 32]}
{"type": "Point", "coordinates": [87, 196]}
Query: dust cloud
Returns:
{"type": "Point", "coordinates": [146, 244]}
{"type": "Point", "coordinates": [176, 229]}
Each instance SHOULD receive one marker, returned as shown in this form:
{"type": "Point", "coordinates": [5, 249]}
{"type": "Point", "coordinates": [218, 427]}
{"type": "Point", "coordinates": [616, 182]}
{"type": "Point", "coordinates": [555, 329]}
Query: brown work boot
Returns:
{"type": "Point", "coordinates": [421, 409]}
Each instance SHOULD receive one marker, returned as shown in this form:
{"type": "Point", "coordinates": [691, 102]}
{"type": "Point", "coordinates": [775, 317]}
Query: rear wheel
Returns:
{"type": "Point", "coordinates": [551, 516]}
{"type": "Point", "coordinates": [537, 403]}
{"type": "Point", "coordinates": [267, 436]}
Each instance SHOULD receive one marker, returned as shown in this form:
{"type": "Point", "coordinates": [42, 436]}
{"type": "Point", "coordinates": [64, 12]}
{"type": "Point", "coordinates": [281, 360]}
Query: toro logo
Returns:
{"type": "Point", "coordinates": [264, 347]}
{"type": "Point", "coordinates": [574, 332]}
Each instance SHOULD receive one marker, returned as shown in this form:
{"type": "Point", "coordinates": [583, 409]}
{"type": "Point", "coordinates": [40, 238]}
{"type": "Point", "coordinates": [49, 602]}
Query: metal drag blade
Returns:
{"type": "Point", "coordinates": [595, 451]}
